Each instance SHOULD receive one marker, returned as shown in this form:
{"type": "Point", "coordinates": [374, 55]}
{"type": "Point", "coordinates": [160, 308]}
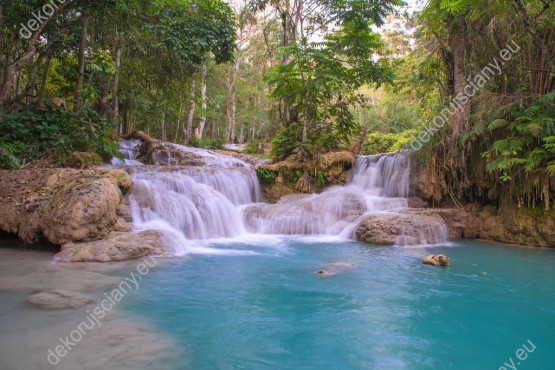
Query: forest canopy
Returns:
{"type": "Point", "coordinates": [302, 77]}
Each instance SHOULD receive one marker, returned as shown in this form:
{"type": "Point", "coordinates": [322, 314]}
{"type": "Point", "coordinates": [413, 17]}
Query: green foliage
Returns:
{"type": "Point", "coordinates": [207, 143]}
{"type": "Point", "coordinates": [255, 146]}
{"type": "Point", "coordinates": [192, 29]}
{"type": "Point", "coordinates": [378, 142]}
{"type": "Point", "coordinates": [266, 175]}
{"type": "Point", "coordinates": [320, 88]}
{"type": "Point", "coordinates": [522, 139]}
{"type": "Point", "coordinates": [52, 130]}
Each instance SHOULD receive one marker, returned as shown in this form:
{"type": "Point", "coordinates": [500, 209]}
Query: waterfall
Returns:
{"type": "Point", "coordinates": [380, 183]}
{"type": "Point", "coordinates": [129, 150]}
{"type": "Point", "coordinates": [222, 199]}
{"type": "Point", "coordinates": [193, 202]}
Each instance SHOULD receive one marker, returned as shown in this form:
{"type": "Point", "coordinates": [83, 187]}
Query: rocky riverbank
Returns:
{"type": "Point", "coordinates": [86, 211]}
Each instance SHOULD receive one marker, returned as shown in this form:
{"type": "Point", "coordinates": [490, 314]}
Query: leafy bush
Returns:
{"type": "Point", "coordinates": [266, 175]}
{"type": "Point", "coordinates": [523, 138]}
{"type": "Point", "coordinates": [289, 141]}
{"type": "Point", "coordinates": [35, 130]}
{"type": "Point", "coordinates": [378, 142]}
{"type": "Point", "coordinates": [255, 146]}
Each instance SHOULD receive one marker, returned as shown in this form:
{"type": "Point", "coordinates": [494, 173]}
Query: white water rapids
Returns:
{"type": "Point", "coordinates": [222, 199]}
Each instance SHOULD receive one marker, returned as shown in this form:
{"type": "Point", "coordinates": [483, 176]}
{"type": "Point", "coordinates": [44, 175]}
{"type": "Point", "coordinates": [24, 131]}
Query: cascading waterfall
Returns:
{"type": "Point", "coordinates": [380, 183]}
{"type": "Point", "coordinates": [222, 199]}
{"type": "Point", "coordinates": [129, 150]}
{"type": "Point", "coordinates": [193, 202]}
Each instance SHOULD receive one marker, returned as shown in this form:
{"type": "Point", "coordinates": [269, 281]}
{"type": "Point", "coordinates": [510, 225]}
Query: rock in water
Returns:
{"type": "Point", "coordinates": [436, 260]}
{"type": "Point", "coordinates": [323, 273]}
{"type": "Point", "coordinates": [58, 299]}
{"type": "Point", "coordinates": [115, 247]}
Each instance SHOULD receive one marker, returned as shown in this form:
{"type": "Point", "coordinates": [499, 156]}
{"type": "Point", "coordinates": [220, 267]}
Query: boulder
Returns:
{"type": "Point", "coordinates": [115, 247]}
{"type": "Point", "coordinates": [58, 299]}
{"type": "Point", "coordinates": [61, 205]}
{"type": "Point", "coordinates": [82, 160]}
{"type": "Point", "coordinates": [461, 223]}
{"type": "Point", "coordinates": [436, 260]}
{"type": "Point", "coordinates": [399, 228]}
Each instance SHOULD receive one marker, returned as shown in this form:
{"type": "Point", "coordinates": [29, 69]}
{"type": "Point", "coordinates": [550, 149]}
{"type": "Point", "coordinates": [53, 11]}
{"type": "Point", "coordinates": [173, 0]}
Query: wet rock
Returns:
{"type": "Point", "coordinates": [436, 260]}
{"type": "Point", "coordinates": [461, 223]}
{"type": "Point", "coordinates": [58, 299]}
{"type": "Point", "coordinates": [324, 273]}
{"type": "Point", "coordinates": [115, 247]}
{"type": "Point", "coordinates": [332, 168]}
{"type": "Point", "coordinates": [401, 229]}
{"type": "Point", "coordinates": [341, 265]}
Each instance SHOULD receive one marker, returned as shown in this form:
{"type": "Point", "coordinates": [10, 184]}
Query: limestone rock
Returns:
{"type": "Point", "coordinates": [460, 223]}
{"type": "Point", "coordinates": [58, 299]}
{"type": "Point", "coordinates": [436, 260]}
{"type": "Point", "coordinates": [115, 247]}
{"type": "Point", "coordinates": [519, 226]}
{"type": "Point", "coordinates": [399, 228]}
{"type": "Point", "coordinates": [82, 160]}
{"type": "Point", "coordinates": [61, 205]}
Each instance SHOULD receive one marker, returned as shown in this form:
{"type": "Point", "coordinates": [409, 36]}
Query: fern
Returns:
{"type": "Point", "coordinates": [497, 123]}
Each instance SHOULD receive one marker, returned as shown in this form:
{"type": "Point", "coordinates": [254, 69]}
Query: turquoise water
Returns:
{"type": "Point", "coordinates": [267, 310]}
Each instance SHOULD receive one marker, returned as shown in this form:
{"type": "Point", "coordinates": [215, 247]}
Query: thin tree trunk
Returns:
{"type": "Point", "coordinates": [81, 65]}
{"type": "Point", "coordinates": [163, 127]}
{"type": "Point", "coordinates": [229, 116]}
{"type": "Point", "coordinates": [115, 89]}
{"type": "Point", "coordinates": [241, 139]}
{"type": "Point", "coordinates": [179, 115]}
{"type": "Point", "coordinates": [12, 69]}
{"type": "Point", "coordinates": [189, 132]}
{"type": "Point", "coordinates": [203, 100]}
{"type": "Point", "coordinates": [457, 43]}
{"type": "Point", "coordinates": [306, 112]}
{"type": "Point", "coordinates": [42, 89]}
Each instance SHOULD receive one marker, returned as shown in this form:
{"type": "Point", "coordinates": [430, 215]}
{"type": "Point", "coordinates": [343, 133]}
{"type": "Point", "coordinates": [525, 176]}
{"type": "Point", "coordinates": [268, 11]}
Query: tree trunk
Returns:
{"type": "Point", "coordinates": [163, 127]}
{"type": "Point", "coordinates": [357, 147]}
{"type": "Point", "coordinates": [228, 107]}
{"type": "Point", "coordinates": [14, 67]}
{"type": "Point", "coordinates": [42, 88]}
{"type": "Point", "coordinates": [457, 43]}
{"type": "Point", "coordinates": [115, 89]}
{"type": "Point", "coordinates": [81, 65]}
{"type": "Point", "coordinates": [232, 102]}
{"type": "Point", "coordinates": [241, 139]}
{"type": "Point", "coordinates": [191, 117]}
{"type": "Point", "coordinates": [179, 115]}
{"type": "Point", "coordinates": [203, 100]}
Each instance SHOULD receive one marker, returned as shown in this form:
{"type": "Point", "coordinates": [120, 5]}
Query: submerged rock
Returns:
{"type": "Point", "coordinates": [58, 299]}
{"type": "Point", "coordinates": [324, 273]}
{"type": "Point", "coordinates": [115, 247]}
{"type": "Point", "coordinates": [436, 260]}
{"type": "Point", "coordinates": [341, 265]}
